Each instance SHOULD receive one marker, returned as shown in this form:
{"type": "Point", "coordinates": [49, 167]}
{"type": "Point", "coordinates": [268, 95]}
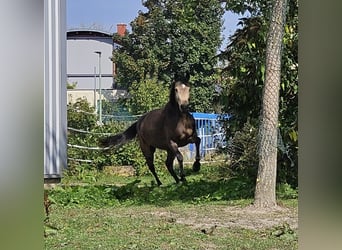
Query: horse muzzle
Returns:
{"type": "Point", "coordinates": [184, 107]}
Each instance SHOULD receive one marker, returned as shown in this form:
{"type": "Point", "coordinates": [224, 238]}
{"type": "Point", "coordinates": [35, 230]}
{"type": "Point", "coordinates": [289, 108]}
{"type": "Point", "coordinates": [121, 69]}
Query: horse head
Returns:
{"type": "Point", "coordinates": [180, 91]}
{"type": "Point", "coordinates": [182, 95]}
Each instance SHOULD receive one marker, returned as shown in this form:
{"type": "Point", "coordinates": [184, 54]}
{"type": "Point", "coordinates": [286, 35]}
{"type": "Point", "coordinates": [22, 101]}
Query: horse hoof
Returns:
{"type": "Point", "coordinates": [196, 167]}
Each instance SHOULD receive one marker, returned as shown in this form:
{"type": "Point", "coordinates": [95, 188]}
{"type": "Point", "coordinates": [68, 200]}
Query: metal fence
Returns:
{"type": "Point", "coordinates": [210, 130]}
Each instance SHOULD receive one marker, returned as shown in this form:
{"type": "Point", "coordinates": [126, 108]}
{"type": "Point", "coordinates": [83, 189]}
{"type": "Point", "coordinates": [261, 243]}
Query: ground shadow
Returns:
{"type": "Point", "coordinates": [192, 191]}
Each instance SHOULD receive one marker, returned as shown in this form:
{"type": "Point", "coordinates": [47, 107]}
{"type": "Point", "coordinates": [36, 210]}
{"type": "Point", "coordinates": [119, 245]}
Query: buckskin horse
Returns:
{"type": "Point", "coordinates": [167, 128]}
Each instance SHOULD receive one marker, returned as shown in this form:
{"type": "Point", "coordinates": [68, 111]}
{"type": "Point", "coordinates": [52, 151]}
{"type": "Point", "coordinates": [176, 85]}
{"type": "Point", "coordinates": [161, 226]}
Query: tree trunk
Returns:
{"type": "Point", "coordinates": [265, 195]}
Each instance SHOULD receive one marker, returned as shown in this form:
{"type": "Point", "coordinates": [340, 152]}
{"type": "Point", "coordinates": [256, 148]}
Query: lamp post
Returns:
{"type": "Point", "coordinates": [100, 89]}
{"type": "Point", "coordinates": [95, 88]}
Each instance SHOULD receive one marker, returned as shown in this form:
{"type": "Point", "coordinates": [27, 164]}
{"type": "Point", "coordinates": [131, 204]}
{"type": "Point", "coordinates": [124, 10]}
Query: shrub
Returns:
{"type": "Point", "coordinates": [242, 149]}
{"type": "Point", "coordinates": [147, 95]}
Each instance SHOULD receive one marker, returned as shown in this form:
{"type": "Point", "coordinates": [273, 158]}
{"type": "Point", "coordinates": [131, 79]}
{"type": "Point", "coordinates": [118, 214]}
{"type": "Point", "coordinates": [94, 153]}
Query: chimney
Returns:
{"type": "Point", "coordinates": [121, 29]}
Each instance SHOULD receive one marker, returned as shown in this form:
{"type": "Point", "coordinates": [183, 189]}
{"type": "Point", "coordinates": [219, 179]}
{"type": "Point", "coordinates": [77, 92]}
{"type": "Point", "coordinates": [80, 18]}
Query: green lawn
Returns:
{"type": "Point", "coordinates": [99, 214]}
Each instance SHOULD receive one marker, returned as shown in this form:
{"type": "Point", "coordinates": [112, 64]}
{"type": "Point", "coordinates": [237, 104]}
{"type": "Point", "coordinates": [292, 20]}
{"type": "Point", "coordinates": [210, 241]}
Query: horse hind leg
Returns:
{"type": "Point", "coordinates": [169, 164]}
{"type": "Point", "coordinates": [181, 169]}
{"type": "Point", "coordinates": [197, 165]}
{"type": "Point", "coordinates": [153, 170]}
{"type": "Point", "coordinates": [148, 152]}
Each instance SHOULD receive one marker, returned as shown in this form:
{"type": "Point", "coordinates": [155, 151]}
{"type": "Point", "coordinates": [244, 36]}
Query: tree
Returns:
{"type": "Point", "coordinates": [266, 180]}
{"type": "Point", "coordinates": [243, 79]}
{"type": "Point", "coordinates": [173, 37]}
{"type": "Point", "coordinates": [148, 95]}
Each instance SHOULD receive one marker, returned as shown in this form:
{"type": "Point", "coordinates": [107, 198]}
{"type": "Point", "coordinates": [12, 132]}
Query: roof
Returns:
{"type": "Point", "coordinates": [86, 32]}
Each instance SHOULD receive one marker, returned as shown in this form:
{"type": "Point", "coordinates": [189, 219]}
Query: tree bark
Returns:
{"type": "Point", "coordinates": [265, 190]}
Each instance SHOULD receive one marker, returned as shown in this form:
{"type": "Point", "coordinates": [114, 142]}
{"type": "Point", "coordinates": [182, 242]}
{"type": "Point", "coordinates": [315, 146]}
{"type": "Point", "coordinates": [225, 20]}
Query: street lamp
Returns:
{"type": "Point", "coordinates": [100, 89]}
{"type": "Point", "coordinates": [95, 89]}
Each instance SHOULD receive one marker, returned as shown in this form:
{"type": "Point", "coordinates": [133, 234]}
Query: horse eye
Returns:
{"type": "Point", "coordinates": [176, 90]}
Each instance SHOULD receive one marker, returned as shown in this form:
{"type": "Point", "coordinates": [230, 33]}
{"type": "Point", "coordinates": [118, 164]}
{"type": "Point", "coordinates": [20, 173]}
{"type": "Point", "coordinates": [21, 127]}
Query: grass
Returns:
{"type": "Point", "coordinates": [136, 214]}
{"type": "Point", "coordinates": [139, 227]}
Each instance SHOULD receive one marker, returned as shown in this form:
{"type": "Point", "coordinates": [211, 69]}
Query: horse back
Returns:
{"type": "Point", "coordinates": [151, 129]}
{"type": "Point", "coordinates": [157, 127]}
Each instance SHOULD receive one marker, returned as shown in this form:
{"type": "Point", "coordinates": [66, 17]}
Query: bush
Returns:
{"type": "Point", "coordinates": [147, 95]}
{"type": "Point", "coordinates": [285, 191]}
{"type": "Point", "coordinates": [243, 152]}
{"type": "Point", "coordinates": [242, 149]}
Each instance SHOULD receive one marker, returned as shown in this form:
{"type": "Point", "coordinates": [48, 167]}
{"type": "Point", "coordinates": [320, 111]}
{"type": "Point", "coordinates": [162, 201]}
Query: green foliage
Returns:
{"type": "Point", "coordinates": [243, 152]}
{"type": "Point", "coordinates": [173, 37]}
{"type": "Point", "coordinates": [243, 78]}
{"type": "Point", "coordinates": [147, 95]}
{"type": "Point", "coordinates": [83, 196]}
{"type": "Point", "coordinates": [242, 91]}
{"type": "Point", "coordinates": [215, 184]}
{"type": "Point", "coordinates": [71, 85]}
{"type": "Point", "coordinates": [81, 115]}
{"type": "Point", "coordinates": [252, 7]}
{"type": "Point", "coordinates": [285, 191]}
{"type": "Point", "coordinates": [284, 231]}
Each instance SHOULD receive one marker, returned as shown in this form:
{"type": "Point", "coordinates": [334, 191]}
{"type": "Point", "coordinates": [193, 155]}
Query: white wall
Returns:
{"type": "Point", "coordinates": [81, 61]}
{"type": "Point", "coordinates": [92, 97]}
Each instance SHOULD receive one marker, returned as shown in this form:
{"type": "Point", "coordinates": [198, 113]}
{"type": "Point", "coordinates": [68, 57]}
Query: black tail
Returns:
{"type": "Point", "coordinates": [119, 139]}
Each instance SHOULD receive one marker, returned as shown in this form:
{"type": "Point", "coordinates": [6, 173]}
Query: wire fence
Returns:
{"type": "Point", "coordinates": [208, 127]}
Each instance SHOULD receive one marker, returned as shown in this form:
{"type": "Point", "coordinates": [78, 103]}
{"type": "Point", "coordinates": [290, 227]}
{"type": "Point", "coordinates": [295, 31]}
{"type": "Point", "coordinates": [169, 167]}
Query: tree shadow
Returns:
{"type": "Point", "coordinates": [193, 191]}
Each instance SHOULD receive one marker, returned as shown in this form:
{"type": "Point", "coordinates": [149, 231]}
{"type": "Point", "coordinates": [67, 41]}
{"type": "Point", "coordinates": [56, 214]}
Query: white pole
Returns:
{"type": "Point", "coordinates": [100, 90]}
{"type": "Point", "coordinates": [95, 101]}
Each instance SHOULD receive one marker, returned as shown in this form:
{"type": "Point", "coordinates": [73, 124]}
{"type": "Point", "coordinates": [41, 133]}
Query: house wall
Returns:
{"type": "Point", "coordinates": [82, 60]}
{"type": "Point", "coordinates": [93, 96]}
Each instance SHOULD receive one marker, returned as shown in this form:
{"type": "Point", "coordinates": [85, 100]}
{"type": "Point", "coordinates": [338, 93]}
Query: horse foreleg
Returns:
{"type": "Point", "coordinates": [169, 165]}
{"type": "Point", "coordinates": [197, 165]}
{"type": "Point", "coordinates": [181, 169]}
{"type": "Point", "coordinates": [176, 153]}
{"type": "Point", "coordinates": [148, 152]}
{"type": "Point", "coordinates": [150, 165]}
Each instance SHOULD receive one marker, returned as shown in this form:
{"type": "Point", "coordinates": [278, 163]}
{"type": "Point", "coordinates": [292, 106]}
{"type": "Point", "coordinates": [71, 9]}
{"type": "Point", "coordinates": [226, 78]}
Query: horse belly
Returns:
{"type": "Point", "coordinates": [152, 133]}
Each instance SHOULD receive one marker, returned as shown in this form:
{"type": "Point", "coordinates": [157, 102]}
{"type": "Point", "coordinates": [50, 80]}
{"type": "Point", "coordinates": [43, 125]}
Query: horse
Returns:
{"type": "Point", "coordinates": [167, 128]}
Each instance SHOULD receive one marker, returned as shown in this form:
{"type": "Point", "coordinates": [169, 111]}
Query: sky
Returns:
{"type": "Point", "coordinates": [105, 14]}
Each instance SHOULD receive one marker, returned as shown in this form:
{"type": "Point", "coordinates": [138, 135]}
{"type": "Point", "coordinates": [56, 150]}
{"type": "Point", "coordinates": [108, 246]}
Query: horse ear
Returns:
{"type": "Point", "coordinates": [182, 77]}
{"type": "Point", "coordinates": [187, 76]}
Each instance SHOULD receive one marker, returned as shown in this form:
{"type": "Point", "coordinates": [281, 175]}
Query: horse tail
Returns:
{"type": "Point", "coordinates": [119, 139]}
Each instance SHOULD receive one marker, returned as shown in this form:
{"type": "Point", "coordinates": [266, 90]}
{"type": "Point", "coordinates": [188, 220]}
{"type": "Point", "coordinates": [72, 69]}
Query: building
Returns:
{"type": "Point", "coordinates": [89, 54]}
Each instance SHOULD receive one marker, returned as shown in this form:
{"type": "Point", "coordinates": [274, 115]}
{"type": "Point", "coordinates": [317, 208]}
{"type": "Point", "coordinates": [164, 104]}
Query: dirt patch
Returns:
{"type": "Point", "coordinates": [126, 171]}
{"type": "Point", "coordinates": [232, 216]}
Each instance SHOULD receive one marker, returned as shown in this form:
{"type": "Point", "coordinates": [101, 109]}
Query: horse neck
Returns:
{"type": "Point", "coordinates": [172, 107]}
{"type": "Point", "coordinates": [172, 97]}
